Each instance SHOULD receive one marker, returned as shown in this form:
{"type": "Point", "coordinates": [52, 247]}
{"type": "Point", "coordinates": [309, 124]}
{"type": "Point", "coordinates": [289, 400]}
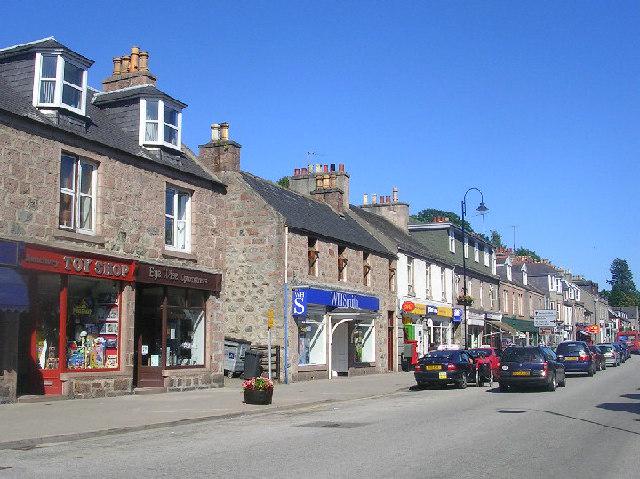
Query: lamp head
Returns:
{"type": "Point", "coordinates": [482, 209]}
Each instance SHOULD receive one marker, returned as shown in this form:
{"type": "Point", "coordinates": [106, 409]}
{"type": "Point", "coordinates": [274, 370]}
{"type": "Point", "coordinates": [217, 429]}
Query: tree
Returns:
{"type": "Point", "coordinates": [427, 216]}
{"type": "Point", "coordinates": [283, 182]}
{"type": "Point", "coordinates": [623, 289]}
{"type": "Point", "coordinates": [527, 252]}
{"type": "Point", "coordinates": [496, 239]}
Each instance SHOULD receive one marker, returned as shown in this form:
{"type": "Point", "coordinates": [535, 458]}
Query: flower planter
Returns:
{"type": "Point", "coordinates": [253, 396]}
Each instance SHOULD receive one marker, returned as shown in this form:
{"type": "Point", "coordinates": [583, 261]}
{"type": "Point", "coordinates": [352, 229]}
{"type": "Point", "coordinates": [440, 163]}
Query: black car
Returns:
{"type": "Point", "coordinates": [445, 367]}
{"type": "Point", "coordinates": [530, 366]}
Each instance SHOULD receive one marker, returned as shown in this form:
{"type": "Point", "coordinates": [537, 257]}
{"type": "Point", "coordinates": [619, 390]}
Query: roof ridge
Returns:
{"type": "Point", "coordinates": [35, 42]}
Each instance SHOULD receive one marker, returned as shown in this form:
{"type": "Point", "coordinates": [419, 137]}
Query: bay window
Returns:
{"type": "Point", "coordinates": [160, 124]}
{"type": "Point", "coordinates": [77, 194]}
{"type": "Point", "coordinates": [59, 83]}
{"type": "Point", "coordinates": [177, 223]}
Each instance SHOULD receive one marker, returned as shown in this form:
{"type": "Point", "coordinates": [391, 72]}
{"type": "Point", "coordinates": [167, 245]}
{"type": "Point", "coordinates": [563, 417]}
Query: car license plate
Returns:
{"type": "Point", "coordinates": [442, 375]}
{"type": "Point", "coordinates": [522, 373]}
{"type": "Point", "coordinates": [433, 367]}
{"type": "Point", "coordinates": [571, 358]}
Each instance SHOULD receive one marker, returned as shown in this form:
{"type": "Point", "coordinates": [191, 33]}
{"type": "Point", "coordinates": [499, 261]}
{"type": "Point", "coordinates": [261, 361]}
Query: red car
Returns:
{"type": "Point", "coordinates": [490, 355]}
{"type": "Point", "coordinates": [485, 366]}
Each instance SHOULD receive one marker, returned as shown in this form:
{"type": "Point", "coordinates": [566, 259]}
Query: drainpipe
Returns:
{"type": "Point", "coordinates": [285, 308]}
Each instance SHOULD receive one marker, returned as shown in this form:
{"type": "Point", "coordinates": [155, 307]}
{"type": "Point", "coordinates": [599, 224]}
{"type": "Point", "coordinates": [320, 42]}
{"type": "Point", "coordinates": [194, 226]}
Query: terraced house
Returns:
{"type": "Point", "coordinates": [110, 232]}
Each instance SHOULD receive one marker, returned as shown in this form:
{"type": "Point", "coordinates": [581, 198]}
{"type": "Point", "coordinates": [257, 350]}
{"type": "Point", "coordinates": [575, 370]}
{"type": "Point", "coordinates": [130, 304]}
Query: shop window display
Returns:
{"type": "Point", "coordinates": [312, 340]}
{"type": "Point", "coordinates": [92, 325]}
{"type": "Point", "coordinates": [46, 312]}
{"type": "Point", "coordinates": [185, 327]}
{"type": "Point", "coordinates": [363, 340]}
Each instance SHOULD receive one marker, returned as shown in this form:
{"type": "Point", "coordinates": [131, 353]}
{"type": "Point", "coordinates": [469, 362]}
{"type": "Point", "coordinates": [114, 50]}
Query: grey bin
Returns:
{"type": "Point", "coordinates": [252, 367]}
{"type": "Point", "coordinates": [234, 353]}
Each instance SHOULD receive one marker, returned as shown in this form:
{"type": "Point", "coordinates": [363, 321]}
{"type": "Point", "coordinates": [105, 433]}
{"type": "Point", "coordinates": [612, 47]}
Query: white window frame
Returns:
{"type": "Point", "coordinates": [76, 195]}
{"type": "Point", "coordinates": [491, 298]}
{"type": "Point", "coordinates": [466, 247]}
{"type": "Point", "coordinates": [59, 83]}
{"type": "Point", "coordinates": [509, 273]}
{"type": "Point", "coordinates": [485, 250]}
{"type": "Point", "coordinates": [476, 252]}
{"type": "Point", "coordinates": [494, 266]}
{"type": "Point", "coordinates": [410, 276]}
{"type": "Point", "coordinates": [443, 280]}
{"type": "Point", "coordinates": [187, 241]}
{"type": "Point", "coordinates": [481, 294]}
{"type": "Point", "coordinates": [428, 282]}
{"type": "Point", "coordinates": [161, 124]}
{"type": "Point", "coordinates": [452, 240]}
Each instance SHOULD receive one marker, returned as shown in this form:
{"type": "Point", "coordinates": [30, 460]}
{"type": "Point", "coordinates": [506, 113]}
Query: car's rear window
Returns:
{"type": "Point", "coordinates": [479, 353]}
{"type": "Point", "coordinates": [522, 355]}
{"type": "Point", "coordinates": [572, 348]}
{"type": "Point", "coordinates": [440, 354]}
{"type": "Point", "coordinates": [605, 349]}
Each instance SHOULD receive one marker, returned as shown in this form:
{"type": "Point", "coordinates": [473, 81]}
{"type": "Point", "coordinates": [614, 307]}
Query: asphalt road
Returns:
{"type": "Point", "coordinates": [589, 429]}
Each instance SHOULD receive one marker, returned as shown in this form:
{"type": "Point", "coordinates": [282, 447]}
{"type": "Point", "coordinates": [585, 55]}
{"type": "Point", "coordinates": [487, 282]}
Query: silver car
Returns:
{"type": "Point", "coordinates": [611, 355]}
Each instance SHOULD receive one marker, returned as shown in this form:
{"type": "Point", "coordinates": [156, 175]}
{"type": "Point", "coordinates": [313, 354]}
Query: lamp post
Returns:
{"type": "Point", "coordinates": [482, 209]}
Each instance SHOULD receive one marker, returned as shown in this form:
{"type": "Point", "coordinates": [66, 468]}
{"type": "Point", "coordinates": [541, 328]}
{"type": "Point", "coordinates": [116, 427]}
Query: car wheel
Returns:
{"type": "Point", "coordinates": [591, 372]}
{"type": "Point", "coordinates": [503, 387]}
{"type": "Point", "coordinates": [553, 384]}
{"type": "Point", "coordinates": [563, 383]}
{"type": "Point", "coordinates": [604, 366]}
{"type": "Point", "coordinates": [462, 383]}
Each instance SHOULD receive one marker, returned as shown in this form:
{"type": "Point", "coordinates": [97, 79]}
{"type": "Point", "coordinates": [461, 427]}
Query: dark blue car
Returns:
{"type": "Point", "coordinates": [576, 357]}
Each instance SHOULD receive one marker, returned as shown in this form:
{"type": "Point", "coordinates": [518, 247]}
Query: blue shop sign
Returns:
{"type": "Point", "coordinates": [8, 253]}
{"type": "Point", "coordinates": [334, 299]}
{"type": "Point", "coordinates": [457, 315]}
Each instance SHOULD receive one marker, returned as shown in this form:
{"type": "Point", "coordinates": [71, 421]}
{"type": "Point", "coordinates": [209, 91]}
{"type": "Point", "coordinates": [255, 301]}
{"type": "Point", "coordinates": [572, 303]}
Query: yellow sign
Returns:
{"type": "Point", "coordinates": [420, 309]}
{"type": "Point", "coordinates": [445, 312]}
{"type": "Point", "coordinates": [270, 317]}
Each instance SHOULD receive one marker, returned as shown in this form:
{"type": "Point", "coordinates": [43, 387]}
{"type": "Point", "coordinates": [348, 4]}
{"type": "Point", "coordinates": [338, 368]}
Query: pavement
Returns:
{"type": "Point", "coordinates": [24, 425]}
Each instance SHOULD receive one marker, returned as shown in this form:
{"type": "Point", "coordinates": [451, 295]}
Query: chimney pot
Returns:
{"type": "Point", "coordinates": [144, 61]}
{"type": "Point", "coordinates": [394, 193]}
{"type": "Point", "coordinates": [296, 172]}
{"type": "Point", "coordinates": [125, 63]}
{"type": "Point", "coordinates": [318, 168]}
{"type": "Point", "coordinates": [365, 199]}
{"type": "Point", "coordinates": [117, 65]}
{"type": "Point", "coordinates": [374, 199]}
{"type": "Point", "coordinates": [341, 167]}
{"type": "Point", "coordinates": [333, 167]}
{"type": "Point", "coordinates": [215, 132]}
{"type": "Point", "coordinates": [224, 131]}
{"type": "Point", "coordinates": [325, 168]}
{"type": "Point", "coordinates": [305, 171]}
{"type": "Point", "coordinates": [135, 56]}
{"type": "Point", "coordinates": [388, 199]}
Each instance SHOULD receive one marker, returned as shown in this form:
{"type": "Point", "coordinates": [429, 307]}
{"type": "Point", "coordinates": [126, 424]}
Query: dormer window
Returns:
{"type": "Point", "coordinates": [59, 83]}
{"type": "Point", "coordinates": [509, 273]}
{"type": "Point", "coordinates": [159, 124]}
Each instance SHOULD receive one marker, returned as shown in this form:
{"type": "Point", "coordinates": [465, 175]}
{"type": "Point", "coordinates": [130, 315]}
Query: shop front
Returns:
{"type": "Point", "coordinates": [428, 324]}
{"type": "Point", "coordinates": [73, 323]}
{"type": "Point", "coordinates": [336, 333]}
{"type": "Point", "coordinates": [172, 321]}
{"type": "Point", "coordinates": [475, 328]}
{"type": "Point", "coordinates": [14, 302]}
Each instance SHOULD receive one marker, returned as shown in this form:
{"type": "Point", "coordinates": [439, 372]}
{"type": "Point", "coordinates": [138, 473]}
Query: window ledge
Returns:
{"type": "Point", "coordinates": [312, 367]}
{"type": "Point", "coordinates": [74, 236]}
{"type": "Point", "coordinates": [364, 365]}
{"type": "Point", "coordinates": [169, 253]}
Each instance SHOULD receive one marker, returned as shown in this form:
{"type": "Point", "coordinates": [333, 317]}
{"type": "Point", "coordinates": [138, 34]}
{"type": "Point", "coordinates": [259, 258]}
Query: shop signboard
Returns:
{"type": "Point", "coordinates": [183, 278]}
{"type": "Point", "coordinates": [546, 331]}
{"type": "Point", "coordinates": [544, 318]}
{"type": "Point", "coordinates": [457, 315]}
{"type": "Point", "coordinates": [80, 264]}
{"type": "Point", "coordinates": [414, 308]}
{"type": "Point", "coordinates": [8, 253]}
{"type": "Point", "coordinates": [335, 299]}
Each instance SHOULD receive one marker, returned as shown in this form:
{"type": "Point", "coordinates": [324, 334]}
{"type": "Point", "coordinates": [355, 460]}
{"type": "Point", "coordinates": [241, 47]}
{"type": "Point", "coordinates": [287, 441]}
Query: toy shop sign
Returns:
{"type": "Point", "coordinates": [77, 264]}
{"type": "Point", "coordinates": [185, 278]}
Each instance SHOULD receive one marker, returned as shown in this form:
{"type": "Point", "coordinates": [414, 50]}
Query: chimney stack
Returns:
{"type": "Point", "coordinates": [221, 154]}
{"type": "Point", "coordinates": [130, 70]}
{"type": "Point", "coordinates": [323, 183]}
{"type": "Point", "coordinates": [390, 208]}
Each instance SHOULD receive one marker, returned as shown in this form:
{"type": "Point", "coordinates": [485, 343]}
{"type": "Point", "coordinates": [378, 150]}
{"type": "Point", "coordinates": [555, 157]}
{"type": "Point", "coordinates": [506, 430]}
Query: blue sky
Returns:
{"type": "Point", "coordinates": [537, 103]}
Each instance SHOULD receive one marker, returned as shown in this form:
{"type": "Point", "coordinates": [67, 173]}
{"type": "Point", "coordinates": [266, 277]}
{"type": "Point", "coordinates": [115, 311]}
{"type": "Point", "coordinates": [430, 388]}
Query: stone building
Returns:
{"type": "Point", "coordinates": [300, 253]}
{"type": "Point", "coordinates": [424, 282]}
{"type": "Point", "coordinates": [444, 240]}
{"type": "Point", "coordinates": [112, 232]}
{"type": "Point", "coordinates": [597, 308]}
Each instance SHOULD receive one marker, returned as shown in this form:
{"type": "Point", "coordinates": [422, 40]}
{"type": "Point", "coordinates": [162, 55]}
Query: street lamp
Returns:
{"type": "Point", "coordinates": [482, 209]}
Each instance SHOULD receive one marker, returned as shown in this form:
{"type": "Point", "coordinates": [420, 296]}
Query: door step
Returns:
{"type": "Point", "coordinates": [31, 398]}
{"type": "Point", "coordinates": [149, 390]}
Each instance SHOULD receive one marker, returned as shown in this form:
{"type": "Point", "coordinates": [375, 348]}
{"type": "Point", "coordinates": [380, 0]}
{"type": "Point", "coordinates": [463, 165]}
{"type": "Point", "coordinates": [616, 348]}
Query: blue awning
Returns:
{"type": "Point", "coordinates": [14, 295]}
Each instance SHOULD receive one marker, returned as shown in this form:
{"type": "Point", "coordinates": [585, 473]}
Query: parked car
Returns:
{"type": "Point", "coordinates": [491, 354]}
{"type": "Point", "coordinates": [483, 371]}
{"type": "Point", "coordinates": [598, 357]}
{"type": "Point", "coordinates": [621, 352]}
{"type": "Point", "coordinates": [625, 349]}
{"type": "Point", "coordinates": [445, 367]}
{"type": "Point", "coordinates": [576, 357]}
{"type": "Point", "coordinates": [530, 366]}
{"type": "Point", "coordinates": [611, 354]}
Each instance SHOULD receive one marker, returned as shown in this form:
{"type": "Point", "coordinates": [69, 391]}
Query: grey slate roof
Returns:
{"type": "Point", "coordinates": [540, 269]}
{"type": "Point", "coordinates": [45, 43]}
{"type": "Point", "coordinates": [148, 91]}
{"type": "Point", "coordinates": [310, 216]}
{"type": "Point", "coordinates": [401, 239]}
{"type": "Point", "coordinates": [98, 128]}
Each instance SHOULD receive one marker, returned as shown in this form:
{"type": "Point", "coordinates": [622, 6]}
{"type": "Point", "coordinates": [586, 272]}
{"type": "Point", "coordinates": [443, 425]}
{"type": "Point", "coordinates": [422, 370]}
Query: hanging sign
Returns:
{"type": "Point", "coordinates": [79, 264]}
